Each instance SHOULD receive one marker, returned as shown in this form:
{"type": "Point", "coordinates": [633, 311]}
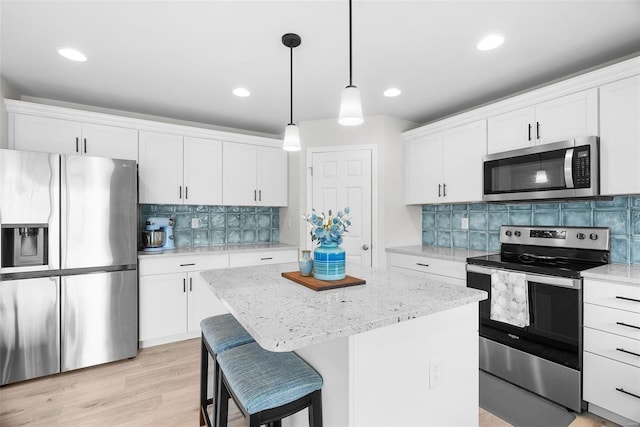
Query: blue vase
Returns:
{"type": "Point", "coordinates": [305, 263]}
{"type": "Point", "coordinates": [329, 262]}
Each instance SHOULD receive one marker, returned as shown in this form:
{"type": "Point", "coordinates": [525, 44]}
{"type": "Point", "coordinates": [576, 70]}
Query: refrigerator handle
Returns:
{"type": "Point", "coordinates": [85, 145]}
{"type": "Point", "coordinates": [190, 284]}
{"type": "Point", "coordinates": [184, 285]}
{"type": "Point", "coordinates": [77, 140]}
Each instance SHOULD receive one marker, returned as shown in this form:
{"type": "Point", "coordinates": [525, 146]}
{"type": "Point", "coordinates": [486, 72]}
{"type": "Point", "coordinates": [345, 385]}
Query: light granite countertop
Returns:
{"type": "Point", "coordinates": [450, 254]}
{"type": "Point", "coordinates": [624, 273]}
{"type": "Point", "coordinates": [283, 316]}
{"type": "Point", "coordinates": [220, 249]}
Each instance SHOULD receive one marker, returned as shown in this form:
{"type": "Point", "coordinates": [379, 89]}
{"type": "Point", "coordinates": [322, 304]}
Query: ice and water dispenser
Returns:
{"type": "Point", "coordinates": [24, 245]}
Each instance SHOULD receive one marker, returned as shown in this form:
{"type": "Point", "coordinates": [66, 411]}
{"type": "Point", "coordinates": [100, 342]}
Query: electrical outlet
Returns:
{"type": "Point", "coordinates": [195, 222]}
{"type": "Point", "coordinates": [464, 223]}
{"type": "Point", "coordinates": [434, 372]}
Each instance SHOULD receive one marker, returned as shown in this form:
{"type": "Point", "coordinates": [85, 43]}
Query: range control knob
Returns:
{"type": "Point", "coordinates": [508, 233]}
{"type": "Point", "coordinates": [593, 236]}
{"type": "Point", "coordinates": [580, 236]}
{"type": "Point", "coordinates": [517, 233]}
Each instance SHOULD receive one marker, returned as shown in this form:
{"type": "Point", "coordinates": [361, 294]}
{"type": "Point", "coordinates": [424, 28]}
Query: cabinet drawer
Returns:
{"type": "Point", "coordinates": [602, 378]}
{"type": "Point", "coordinates": [612, 346]}
{"type": "Point", "coordinates": [244, 259]}
{"type": "Point", "coordinates": [437, 266]}
{"type": "Point", "coordinates": [623, 297]}
{"type": "Point", "coordinates": [181, 264]}
{"type": "Point", "coordinates": [618, 322]}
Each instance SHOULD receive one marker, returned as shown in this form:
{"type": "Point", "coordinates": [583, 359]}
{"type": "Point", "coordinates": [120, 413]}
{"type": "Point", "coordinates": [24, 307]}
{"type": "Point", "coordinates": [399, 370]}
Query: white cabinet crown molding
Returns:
{"type": "Point", "coordinates": [64, 113]}
{"type": "Point", "coordinates": [587, 80]}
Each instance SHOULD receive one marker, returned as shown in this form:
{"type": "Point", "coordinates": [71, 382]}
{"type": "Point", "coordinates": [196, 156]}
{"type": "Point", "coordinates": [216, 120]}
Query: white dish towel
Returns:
{"type": "Point", "coordinates": [509, 298]}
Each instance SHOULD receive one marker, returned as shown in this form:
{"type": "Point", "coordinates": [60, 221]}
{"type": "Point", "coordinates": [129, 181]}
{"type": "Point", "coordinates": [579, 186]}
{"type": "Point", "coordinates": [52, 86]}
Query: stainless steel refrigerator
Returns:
{"type": "Point", "coordinates": [68, 278]}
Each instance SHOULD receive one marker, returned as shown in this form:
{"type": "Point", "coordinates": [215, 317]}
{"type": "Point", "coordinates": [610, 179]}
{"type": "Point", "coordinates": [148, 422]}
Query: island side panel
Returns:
{"type": "Point", "coordinates": [390, 372]}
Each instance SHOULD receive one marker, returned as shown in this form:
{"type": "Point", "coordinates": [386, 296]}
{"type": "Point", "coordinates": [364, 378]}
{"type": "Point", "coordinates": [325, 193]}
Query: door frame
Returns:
{"type": "Point", "coordinates": [374, 191]}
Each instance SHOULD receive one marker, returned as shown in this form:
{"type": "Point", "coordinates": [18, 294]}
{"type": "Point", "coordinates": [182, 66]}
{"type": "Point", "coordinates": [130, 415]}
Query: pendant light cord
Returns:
{"type": "Point", "coordinates": [350, 48]}
{"type": "Point", "coordinates": [291, 86]}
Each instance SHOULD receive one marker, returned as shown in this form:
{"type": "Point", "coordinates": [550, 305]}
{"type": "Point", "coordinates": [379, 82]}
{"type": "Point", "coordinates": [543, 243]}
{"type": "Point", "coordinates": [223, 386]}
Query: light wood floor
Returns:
{"type": "Point", "coordinates": [160, 387]}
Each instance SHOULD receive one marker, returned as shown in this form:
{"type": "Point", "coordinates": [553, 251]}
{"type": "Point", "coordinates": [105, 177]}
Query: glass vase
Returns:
{"type": "Point", "coordinates": [329, 262]}
{"type": "Point", "coordinates": [305, 263]}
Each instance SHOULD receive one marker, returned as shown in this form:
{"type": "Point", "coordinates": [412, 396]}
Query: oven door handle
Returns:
{"type": "Point", "coordinates": [565, 282]}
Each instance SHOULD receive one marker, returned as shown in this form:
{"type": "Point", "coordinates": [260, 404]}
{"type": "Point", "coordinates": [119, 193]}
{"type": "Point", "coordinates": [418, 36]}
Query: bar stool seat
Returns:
{"type": "Point", "coordinates": [268, 386]}
{"type": "Point", "coordinates": [219, 333]}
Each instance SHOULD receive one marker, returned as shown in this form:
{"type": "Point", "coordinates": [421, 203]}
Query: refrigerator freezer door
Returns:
{"type": "Point", "coordinates": [99, 318]}
{"type": "Point", "coordinates": [99, 212]}
{"type": "Point", "coordinates": [30, 328]}
{"type": "Point", "coordinates": [30, 194]}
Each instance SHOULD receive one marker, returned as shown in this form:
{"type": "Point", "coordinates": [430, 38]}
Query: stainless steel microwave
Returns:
{"type": "Point", "coordinates": [560, 170]}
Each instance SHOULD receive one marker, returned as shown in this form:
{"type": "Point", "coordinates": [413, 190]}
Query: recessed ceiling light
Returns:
{"type": "Point", "coordinates": [241, 92]}
{"type": "Point", "coordinates": [491, 41]}
{"type": "Point", "coordinates": [72, 54]}
{"type": "Point", "coordinates": [392, 92]}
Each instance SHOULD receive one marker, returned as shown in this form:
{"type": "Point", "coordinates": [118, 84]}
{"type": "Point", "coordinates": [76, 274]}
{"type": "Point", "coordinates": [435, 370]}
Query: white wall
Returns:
{"type": "Point", "coordinates": [397, 224]}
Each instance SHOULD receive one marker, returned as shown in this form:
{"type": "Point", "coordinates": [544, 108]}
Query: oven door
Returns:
{"type": "Point", "coordinates": [559, 170]}
{"type": "Point", "coordinates": [555, 313]}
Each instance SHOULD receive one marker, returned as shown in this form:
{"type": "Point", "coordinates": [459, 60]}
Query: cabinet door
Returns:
{"type": "Point", "coordinates": [239, 174]}
{"type": "Point", "coordinates": [272, 178]}
{"type": "Point", "coordinates": [202, 301]}
{"type": "Point", "coordinates": [163, 305]}
{"type": "Point", "coordinates": [567, 117]}
{"type": "Point", "coordinates": [33, 133]}
{"type": "Point", "coordinates": [160, 168]}
{"type": "Point", "coordinates": [109, 141]}
{"type": "Point", "coordinates": [510, 131]}
{"type": "Point", "coordinates": [423, 160]}
{"type": "Point", "coordinates": [463, 149]}
{"type": "Point", "coordinates": [620, 137]}
{"type": "Point", "coordinates": [202, 171]}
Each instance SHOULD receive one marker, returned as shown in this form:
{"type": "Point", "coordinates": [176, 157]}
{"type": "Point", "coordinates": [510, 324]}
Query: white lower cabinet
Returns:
{"type": "Point", "coordinates": [442, 270]}
{"type": "Point", "coordinates": [611, 359]}
{"type": "Point", "coordinates": [174, 298]}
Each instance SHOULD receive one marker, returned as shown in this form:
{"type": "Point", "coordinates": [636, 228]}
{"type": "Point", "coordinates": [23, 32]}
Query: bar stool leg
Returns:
{"type": "Point", "coordinates": [204, 368]}
{"type": "Point", "coordinates": [315, 409]}
{"type": "Point", "coordinates": [222, 404]}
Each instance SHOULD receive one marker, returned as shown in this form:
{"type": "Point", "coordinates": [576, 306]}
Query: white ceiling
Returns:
{"type": "Point", "coordinates": [181, 59]}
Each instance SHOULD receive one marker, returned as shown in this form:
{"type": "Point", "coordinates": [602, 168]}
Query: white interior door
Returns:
{"type": "Point", "coordinates": [343, 178]}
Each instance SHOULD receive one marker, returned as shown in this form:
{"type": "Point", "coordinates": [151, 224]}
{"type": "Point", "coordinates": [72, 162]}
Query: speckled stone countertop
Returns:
{"type": "Point", "coordinates": [220, 249]}
{"type": "Point", "coordinates": [450, 254]}
{"type": "Point", "coordinates": [624, 273]}
{"type": "Point", "coordinates": [282, 315]}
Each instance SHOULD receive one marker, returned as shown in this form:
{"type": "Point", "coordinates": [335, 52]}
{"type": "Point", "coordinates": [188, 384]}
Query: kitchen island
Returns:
{"type": "Point", "coordinates": [399, 350]}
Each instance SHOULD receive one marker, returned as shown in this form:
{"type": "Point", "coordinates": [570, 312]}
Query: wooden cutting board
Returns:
{"type": "Point", "coordinates": [322, 285]}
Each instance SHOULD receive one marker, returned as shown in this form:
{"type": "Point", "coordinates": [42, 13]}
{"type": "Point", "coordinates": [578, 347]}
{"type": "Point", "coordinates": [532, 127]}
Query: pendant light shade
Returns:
{"type": "Point", "coordinates": [291, 132]}
{"type": "Point", "coordinates": [350, 105]}
{"type": "Point", "coordinates": [291, 138]}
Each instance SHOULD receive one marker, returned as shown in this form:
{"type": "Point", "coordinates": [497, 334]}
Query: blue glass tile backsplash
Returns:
{"type": "Point", "coordinates": [441, 224]}
{"type": "Point", "coordinates": [219, 225]}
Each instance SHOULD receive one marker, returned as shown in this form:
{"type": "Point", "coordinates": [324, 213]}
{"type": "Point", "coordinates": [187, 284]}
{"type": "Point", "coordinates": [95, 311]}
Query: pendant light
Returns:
{"type": "Point", "coordinates": [291, 132]}
{"type": "Point", "coordinates": [350, 105]}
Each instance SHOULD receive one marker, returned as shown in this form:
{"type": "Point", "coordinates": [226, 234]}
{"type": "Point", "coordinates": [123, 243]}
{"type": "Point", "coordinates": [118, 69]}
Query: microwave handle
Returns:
{"type": "Point", "coordinates": [568, 168]}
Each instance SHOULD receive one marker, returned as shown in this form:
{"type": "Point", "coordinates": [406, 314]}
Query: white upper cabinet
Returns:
{"type": "Point", "coordinates": [179, 170]}
{"type": "Point", "coordinates": [439, 166]}
{"type": "Point", "coordinates": [463, 148]}
{"type": "Point", "coordinates": [253, 175]}
{"type": "Point", "coordinates": [202, 171]}
{"type": "Point", "coordinates": [620, 137]}
{"type": "Point", "coordinates": [562, 118]}
{"type": "Point", "coordinates": [423, 172]}
{"type": "Point", "coordinates": [53, 135]}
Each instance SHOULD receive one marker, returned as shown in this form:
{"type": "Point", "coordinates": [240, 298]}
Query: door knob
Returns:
{"type": "Point", "coordinates": [365, 247]}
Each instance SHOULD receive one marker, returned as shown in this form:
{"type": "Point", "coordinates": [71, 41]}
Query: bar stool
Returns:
{"type": "Point", "coordinates": [267, 386]}
{"type": "Point", "coordinates": [219, 333]}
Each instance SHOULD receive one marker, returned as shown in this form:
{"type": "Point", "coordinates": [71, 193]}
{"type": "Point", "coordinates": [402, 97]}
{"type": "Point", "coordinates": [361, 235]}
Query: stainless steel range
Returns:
{"type": "Point", "coordinates": [531, 325]}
